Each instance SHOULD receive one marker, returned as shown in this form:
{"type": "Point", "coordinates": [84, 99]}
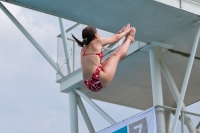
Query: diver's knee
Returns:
{"type": "Point", "coordinates": [116, 55]}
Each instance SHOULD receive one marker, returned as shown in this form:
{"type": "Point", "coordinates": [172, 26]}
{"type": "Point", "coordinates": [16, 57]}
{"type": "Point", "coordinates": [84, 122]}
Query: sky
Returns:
{"type": "Point", "coordinates": [30, 99]}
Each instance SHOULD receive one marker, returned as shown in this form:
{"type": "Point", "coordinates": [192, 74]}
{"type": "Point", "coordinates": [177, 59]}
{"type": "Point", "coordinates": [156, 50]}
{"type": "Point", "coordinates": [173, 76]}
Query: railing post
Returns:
{"type": "Point", "coordinates": [69, 68]}
{"type": "Point", "coordinates": [73, 55]}
{"type": "Point", "coordinates": [167, 115]}
{"type": "Point", "coordinates": [182, 122]}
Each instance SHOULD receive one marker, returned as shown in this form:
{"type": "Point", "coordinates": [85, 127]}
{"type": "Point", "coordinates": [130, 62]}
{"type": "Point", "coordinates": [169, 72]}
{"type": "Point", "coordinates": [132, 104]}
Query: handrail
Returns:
{"type": "Point", "coordinates": [71, 28]}
{"type": "Point", "coordinates": [174, 109]}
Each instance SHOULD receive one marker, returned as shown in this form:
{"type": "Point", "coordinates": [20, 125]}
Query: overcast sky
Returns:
{"type": "Point", "coordinates": [30, 100]}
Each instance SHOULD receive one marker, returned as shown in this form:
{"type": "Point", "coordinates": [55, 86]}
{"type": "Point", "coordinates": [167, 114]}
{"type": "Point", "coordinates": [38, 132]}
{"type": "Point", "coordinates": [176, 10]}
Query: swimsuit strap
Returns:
{"type": "Point", "coordinates": [99, 54]}
{"type": "Point", "coordinates": [84, 51]}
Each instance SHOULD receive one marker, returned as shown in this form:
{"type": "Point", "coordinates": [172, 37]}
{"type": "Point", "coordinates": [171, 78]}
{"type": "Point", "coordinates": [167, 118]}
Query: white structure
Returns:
{"type": "Point", "coordinates": [172, 36]}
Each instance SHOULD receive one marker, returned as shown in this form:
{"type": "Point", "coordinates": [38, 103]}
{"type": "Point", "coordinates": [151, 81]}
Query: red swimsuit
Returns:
{"type": "Point", "coordinates": [94, 83]}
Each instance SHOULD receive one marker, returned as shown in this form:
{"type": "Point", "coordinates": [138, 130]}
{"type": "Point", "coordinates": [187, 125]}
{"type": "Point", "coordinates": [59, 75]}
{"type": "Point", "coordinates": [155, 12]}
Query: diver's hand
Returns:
{"type": "Point", "coordinates": [127, 28]}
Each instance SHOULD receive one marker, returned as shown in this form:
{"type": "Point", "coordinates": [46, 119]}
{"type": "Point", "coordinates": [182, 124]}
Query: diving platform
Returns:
{"type": "Point", "coordinates": [131, 85]}
{"type": "Point", "coordinates": [156, 73]}
{"type": "Point", "coordinates": [152, 19]}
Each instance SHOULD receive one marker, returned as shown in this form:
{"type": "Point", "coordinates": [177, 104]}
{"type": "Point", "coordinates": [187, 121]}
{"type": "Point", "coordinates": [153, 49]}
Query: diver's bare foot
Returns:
{"type": "Point", "coordinates": [131, 34]}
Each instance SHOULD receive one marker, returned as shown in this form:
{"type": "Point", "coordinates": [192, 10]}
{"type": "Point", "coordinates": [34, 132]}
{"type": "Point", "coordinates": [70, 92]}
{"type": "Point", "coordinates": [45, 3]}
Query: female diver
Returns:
{"type": "Point", "coordinates": [98, 74]}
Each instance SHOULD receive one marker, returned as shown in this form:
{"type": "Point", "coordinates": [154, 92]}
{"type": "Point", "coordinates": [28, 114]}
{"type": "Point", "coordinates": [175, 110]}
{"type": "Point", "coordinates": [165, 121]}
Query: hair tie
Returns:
{"type": "Point", "coordinates": [85, 39]}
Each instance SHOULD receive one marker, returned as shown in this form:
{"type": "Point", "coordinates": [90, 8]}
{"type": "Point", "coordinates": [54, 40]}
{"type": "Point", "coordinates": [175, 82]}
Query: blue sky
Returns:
{"type": "Point", "coordinates": [30, 100]}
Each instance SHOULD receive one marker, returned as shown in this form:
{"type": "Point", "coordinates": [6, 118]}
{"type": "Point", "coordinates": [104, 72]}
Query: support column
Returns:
{"type": "Point", "coordinates": [31, 39]}
{"type": "Point", "coordinates": [174, 91]}
{"type": "Point", "coordinates": [73, 112]}
{"type": "Point", "coordinates": [157, 88]}
{"type": "Point", "coordinates": [85, 115]}
{"type": "Point", "coordinates": [186, 79]}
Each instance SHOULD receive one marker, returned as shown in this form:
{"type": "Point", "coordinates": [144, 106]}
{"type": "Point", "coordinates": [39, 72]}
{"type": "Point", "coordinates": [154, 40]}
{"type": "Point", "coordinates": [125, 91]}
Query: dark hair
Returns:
{"type": "Point", "coordinates": [88, 34]}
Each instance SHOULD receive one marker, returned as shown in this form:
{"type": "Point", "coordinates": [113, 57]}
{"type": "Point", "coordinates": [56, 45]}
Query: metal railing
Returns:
{"type": "Point", "coordinates": [73, 56]}
{"type": "Point", "coordinates": [181, 126]}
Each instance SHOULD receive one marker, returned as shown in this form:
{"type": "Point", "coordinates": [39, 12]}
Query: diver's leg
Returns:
{"type": "Point", "coordinates": [110, 64]}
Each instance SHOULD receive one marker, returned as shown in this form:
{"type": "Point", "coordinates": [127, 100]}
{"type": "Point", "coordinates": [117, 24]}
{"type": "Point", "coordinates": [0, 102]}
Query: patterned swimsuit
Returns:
{"type": "Point", "coordinates": [94, 83]}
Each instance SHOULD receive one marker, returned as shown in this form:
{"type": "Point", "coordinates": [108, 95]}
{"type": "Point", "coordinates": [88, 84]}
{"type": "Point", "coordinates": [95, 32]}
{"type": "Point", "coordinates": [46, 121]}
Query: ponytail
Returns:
{"type": "Point", "coordinates": [80, 44]}
{"type": "Point", "coordinates": [88, 34]}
